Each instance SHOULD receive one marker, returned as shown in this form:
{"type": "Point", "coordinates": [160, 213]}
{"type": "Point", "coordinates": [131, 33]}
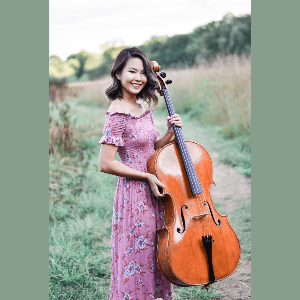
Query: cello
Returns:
{"type": "Point", "coordinates": [196, 245]}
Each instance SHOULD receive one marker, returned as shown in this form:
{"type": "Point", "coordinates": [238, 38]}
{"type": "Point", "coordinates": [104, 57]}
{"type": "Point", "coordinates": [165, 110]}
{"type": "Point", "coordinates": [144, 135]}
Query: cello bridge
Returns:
{"type": "Point", "coordinates": [199, 216]}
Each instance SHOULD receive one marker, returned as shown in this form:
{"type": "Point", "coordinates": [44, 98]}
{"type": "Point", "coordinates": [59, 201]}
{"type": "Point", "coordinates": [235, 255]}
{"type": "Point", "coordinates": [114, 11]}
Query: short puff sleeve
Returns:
{"type": "Point", "coordinates": [113, 129]}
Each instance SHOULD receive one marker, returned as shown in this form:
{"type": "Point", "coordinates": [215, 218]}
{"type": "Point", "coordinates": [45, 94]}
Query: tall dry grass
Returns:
{"type": "Point", "coordinates": [216, 93]}
{"type": "Point", "coordinates": [92, 92]}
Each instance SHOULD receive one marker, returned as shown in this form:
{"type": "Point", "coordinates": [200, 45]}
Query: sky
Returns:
{"type": "Point", "coordinates": [76, 25]}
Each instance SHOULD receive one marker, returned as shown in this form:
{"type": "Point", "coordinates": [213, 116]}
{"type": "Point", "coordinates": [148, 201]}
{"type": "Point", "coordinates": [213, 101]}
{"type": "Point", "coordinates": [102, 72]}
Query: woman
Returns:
{"type": "Point", "coordinates": [129, 130]}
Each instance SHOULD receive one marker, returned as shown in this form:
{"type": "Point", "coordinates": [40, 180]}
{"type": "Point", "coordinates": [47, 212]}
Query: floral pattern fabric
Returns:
{"type": "Point", "coordinates": [136, 213]}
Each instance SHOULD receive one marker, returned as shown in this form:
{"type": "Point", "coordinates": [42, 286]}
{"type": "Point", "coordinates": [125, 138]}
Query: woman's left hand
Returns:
{"type": "Point", "coordinates": [175, 119]}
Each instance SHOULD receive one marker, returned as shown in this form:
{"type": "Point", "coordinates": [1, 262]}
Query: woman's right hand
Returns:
{"type": "Point", "coordinates": [154, 184]}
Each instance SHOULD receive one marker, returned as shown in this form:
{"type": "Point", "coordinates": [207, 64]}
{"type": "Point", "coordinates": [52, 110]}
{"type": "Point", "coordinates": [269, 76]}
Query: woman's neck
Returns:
{"type": "Point", "coordinates": [129, 98]}
{"type": "Point", "coordinates": [130, 106]}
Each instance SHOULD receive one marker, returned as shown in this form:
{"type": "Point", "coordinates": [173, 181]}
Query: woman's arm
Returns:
{"type": "Point", "coordinates": [167, 138]}
{"type": "Point", "coordinates": [109, 164]}
{"type": "Point", "coordinates": [175, 119]}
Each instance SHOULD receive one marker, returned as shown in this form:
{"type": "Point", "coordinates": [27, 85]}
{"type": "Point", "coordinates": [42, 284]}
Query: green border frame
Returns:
{"type": "Point", "coordinates": [24, 149]}
{"type": "Point", "coordinates": [275, 126]}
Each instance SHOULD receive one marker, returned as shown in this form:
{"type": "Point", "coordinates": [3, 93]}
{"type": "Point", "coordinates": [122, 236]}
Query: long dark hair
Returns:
{"type": "Point", "coordinates": [114, 91]}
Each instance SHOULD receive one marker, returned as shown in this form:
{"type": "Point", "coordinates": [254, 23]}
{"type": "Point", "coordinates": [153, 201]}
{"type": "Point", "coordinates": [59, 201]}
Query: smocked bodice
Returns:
{"type": "Point", "coordinates": [134, 136]}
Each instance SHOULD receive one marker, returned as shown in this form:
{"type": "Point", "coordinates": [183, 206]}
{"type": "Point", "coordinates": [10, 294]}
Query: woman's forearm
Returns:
{"type": "Point", "coordinates": [164, 140]}
{"type": "Point", "coordinates": [117, 168]}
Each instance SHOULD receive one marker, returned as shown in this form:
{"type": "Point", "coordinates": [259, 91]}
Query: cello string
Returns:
{"type": "Point", "coordinates": [202, 204]}
{"type": "Point", "coordinates": [187, 159]}
{"type": "Point", "coordinates": [201, 200]}
{"type": "Point", "coordinates": [201, 219]}
{"type": "Point", "coordinates": [208, 218]}
{"type": "Point", "coordinates": [187, 163]}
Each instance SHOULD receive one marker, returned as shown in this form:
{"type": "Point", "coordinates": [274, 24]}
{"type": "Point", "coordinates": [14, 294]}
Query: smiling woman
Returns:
{"type": "Point", "coordinates": [129, 130]}
{"type": "Point", "coordinates": [133, 77]}
{"type": "Point", "coordinates": [133, 68]}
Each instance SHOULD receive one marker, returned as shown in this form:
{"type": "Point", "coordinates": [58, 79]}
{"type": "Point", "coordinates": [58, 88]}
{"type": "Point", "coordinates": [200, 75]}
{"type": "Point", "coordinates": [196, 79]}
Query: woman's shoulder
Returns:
{"type": "Point", "coordinates": [116, 107]}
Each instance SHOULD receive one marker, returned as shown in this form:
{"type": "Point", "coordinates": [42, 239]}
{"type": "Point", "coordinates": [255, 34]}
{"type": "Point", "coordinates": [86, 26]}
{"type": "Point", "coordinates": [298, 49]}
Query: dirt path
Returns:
{"type": "Point", "coordinates": [231, 190]}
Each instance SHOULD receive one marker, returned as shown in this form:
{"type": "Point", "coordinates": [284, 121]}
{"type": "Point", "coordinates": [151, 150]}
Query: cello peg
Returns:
{"type": "Point", "coordinates": [163, 74]}
{"type": "Point", "coordinates": [169, 81]}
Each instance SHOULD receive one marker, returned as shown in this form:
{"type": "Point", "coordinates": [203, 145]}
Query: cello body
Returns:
{"type": "Point", "coordinates": [192, 249]}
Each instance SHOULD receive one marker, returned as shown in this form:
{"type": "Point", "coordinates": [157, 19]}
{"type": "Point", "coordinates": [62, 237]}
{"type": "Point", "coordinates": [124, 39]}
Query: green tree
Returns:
{"type": "Point", "coordinates": [82, 57]}
{"type": "Point", "coordinates": [111, 50]}
{"type": "Point", "coordinates": [170, 52]}
{"type": "Point", "coordinates": [230, 35]}
{"type": "Point", "coordinates": [59, 69]}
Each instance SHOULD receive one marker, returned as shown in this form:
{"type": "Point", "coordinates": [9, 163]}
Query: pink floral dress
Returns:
{"type": "Point", "coordinates": [136, 213]}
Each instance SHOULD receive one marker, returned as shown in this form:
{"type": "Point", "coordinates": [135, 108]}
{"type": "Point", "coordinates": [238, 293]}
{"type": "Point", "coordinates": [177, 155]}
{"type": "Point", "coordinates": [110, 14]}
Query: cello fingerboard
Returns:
{"type": "Point", "coordinates": [192, 176]}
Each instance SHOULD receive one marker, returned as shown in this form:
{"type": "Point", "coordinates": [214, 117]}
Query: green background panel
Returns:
{"type": "Point", "coordinates": [24, 149]}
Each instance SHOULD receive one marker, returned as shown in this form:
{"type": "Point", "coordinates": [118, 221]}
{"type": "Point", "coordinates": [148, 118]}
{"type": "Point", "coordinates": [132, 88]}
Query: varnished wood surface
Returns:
{"type": "Point", "coordinates": [181, 256]}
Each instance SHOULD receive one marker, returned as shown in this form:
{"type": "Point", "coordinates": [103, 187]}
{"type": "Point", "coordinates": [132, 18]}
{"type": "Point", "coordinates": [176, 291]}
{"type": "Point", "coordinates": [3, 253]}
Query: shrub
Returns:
{"type": "Point", "coordinates": [61, 132]}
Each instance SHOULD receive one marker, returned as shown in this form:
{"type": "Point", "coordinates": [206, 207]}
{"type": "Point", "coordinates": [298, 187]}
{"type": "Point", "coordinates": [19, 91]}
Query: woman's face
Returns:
{"type": "Point", "coordinates": [133, 77]}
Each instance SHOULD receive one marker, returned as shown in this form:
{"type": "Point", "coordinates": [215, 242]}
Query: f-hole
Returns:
{"type": "Point", "coordinates": [182, 219]}
{"type": "Point", "coordinates": [219, 222]}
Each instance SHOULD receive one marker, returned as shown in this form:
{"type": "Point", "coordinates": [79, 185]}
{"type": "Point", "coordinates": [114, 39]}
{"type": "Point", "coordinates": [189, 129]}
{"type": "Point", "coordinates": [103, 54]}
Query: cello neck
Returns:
{"type": "Point", "coordinates": [169, 103]}
{"type": "Point", "coordinates": [185, 155]}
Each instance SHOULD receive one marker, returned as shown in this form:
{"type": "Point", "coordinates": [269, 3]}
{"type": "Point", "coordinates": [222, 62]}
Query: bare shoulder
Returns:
{"type": "Point", "coordinates": [144, 105]}
{"type": "Point", "coordinates": [116, 106]}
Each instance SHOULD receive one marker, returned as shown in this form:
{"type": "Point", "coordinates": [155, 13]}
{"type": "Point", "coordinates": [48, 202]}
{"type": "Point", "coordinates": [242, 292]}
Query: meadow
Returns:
{"type": "Point", "coordinates": [215, 97]}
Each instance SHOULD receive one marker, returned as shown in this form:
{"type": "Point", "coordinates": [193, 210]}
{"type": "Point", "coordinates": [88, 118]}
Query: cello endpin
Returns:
{"type": "Point", "coordinates": [206, 287]}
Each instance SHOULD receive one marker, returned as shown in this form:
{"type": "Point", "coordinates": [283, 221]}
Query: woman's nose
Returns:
{"type": "Point", "coordinates": [137, 77]}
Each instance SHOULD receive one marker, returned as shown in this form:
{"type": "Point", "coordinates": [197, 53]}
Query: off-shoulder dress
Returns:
{"type": "Point", "coordinates": [136, 212]}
